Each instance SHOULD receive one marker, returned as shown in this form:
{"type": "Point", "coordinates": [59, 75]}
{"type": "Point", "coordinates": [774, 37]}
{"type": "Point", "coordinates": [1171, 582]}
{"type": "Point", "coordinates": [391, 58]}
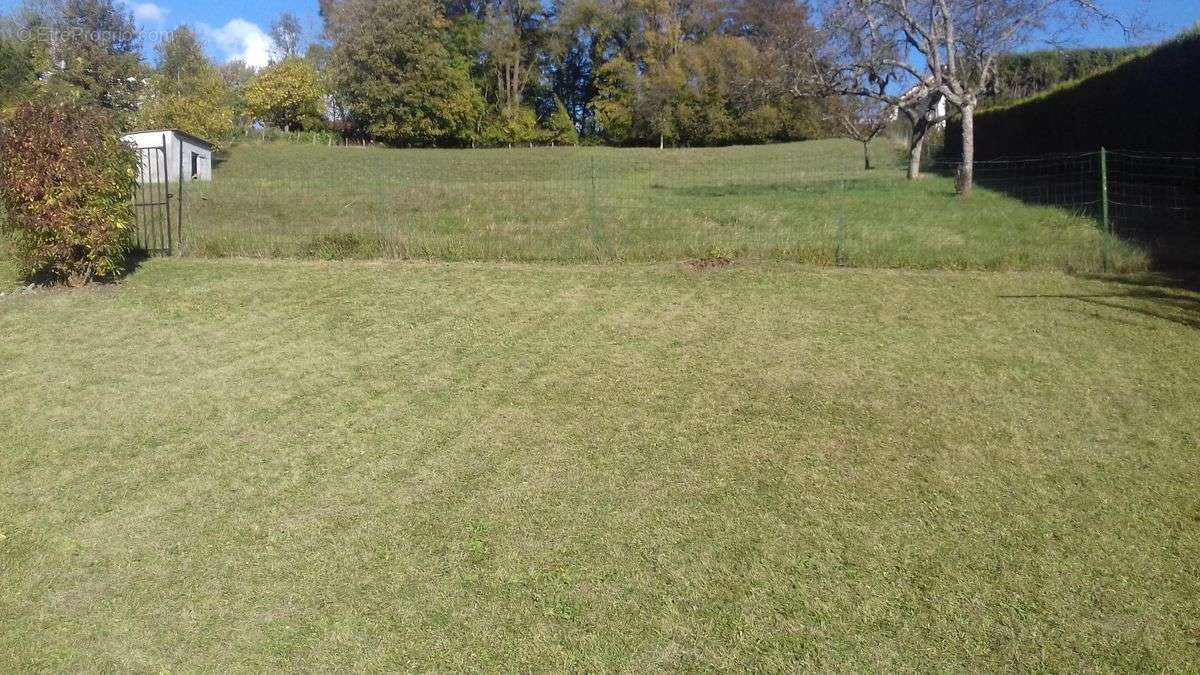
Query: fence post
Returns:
{"type": "Point", "coordinates": [592, 191]}
{"type": "Point", "coordinates": [167, 189]}
{"type": "Point", "coordinates": [839, 253]}
{"type": "Point", "coordinates": [179, 220]}
{"type": "Point", "coordinates": [1104, 216]}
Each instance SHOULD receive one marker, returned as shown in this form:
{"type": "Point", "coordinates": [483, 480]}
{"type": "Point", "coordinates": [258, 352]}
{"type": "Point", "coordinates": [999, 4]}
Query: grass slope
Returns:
{"type": "Point", "coordinates": [807, 202]}
{"type": "Point", "coordinates": [235, 465]}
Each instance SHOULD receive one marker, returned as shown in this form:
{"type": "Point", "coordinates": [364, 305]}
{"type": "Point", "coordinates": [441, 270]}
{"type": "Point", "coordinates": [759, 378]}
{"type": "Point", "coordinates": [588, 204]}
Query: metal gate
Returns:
{"type": "Point", "coordinates": [158, 226]}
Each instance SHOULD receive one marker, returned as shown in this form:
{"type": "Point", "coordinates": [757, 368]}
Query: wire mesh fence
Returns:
{"type": "Point", "coordinates": [811, 202]}
{"type": "Point", "coordinates": [1072, 182]}
{"type": "Point", "coordinates": [1149, 199]}
{"type": "Point", "coordinates": [1155, 199]}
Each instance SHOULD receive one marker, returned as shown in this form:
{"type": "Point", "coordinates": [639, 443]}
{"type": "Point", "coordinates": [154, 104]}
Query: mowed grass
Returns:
{"type": "Point", "coordinates": [236, 465]}
{"type": "Point", "coordinates": [803, 202]}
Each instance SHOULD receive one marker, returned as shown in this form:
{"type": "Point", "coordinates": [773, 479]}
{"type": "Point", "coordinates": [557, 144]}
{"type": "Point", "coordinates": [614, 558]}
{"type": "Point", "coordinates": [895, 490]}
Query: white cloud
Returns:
{"type": "Point", "coordinates": [240, 40]}
{"type": "Point", "coordinates": [147, 12]}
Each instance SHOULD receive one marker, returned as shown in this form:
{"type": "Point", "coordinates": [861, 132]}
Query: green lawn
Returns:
{"type": "Point", "coordinates": [8, 271]}
{"type": "Point", "coordinates": [802, 202]}
{"type": "Point", "coordinates": [231, 464]}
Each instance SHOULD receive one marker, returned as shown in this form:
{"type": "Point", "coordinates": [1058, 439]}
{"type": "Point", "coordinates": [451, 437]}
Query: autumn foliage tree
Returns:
{"type": "Point", "coordinates": [288, 95]}
{"type": "Point", "coordinates": [458, 72]}
{"type": "Point", "coordinates": [66, 182]}
{"type": "Point", "coordinates": [187, 92]}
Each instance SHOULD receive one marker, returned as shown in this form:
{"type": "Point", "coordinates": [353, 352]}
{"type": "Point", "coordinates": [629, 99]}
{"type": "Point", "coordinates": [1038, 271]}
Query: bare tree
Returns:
{"type": "Point", "coordinates": [510, 39]}
{"type": "Point", "coordinates": [920, 104]}
{"type": "Point", "coordinates": [888, 48]}
{"type": "Point", "coordinates": [925, 110]}
{"type": "Point", "coordinates": [288, 35]}
{"type": "Point", "coordinates": [851, 59]}
{"type": "Point", "coordinates": [862, 119]}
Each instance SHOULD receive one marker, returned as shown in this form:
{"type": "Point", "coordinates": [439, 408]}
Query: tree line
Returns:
{"type": "Point", "coordinates": [448, 73]}
{"type": "Point", "coordinates": [639, 72]}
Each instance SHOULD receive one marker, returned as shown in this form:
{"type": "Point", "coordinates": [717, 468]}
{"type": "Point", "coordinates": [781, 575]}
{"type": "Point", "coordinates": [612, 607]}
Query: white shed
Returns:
{"type": "Point", "coordinates": [180, 150]}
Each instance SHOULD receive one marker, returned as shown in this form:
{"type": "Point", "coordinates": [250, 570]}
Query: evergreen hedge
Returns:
{"type": "Point", "coordinates": [1149, 103]}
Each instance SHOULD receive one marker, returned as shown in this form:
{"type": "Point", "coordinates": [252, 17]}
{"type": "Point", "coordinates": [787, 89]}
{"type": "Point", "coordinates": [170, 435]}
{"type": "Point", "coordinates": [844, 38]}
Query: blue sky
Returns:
{"type": "Point", "coordinates": [237, 29]}
{"type": "Point", "coordinates": [1163, 18]}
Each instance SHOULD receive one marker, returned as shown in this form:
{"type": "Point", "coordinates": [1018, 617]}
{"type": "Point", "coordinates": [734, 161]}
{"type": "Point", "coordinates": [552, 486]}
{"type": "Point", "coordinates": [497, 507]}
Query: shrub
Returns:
{"type": "Point", "coordinates": [66, 182]}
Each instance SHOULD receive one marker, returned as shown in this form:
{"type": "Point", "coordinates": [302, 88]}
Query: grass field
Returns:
{"type": "Point", "coordinates": [237, 465]}
{"type": "Point", "coordinates": [803, 202]}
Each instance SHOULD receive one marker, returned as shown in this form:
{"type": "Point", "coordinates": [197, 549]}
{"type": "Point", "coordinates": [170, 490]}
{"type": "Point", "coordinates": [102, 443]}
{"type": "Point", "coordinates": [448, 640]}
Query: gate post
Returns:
{"type": "Point", "coordinates": [179, 220]}
{"type": "Point", "coordinates": [167, 191]}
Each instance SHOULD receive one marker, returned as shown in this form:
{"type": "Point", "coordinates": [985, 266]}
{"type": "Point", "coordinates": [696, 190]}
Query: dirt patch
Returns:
{"type": "Point", "coordinates": [709, 263]}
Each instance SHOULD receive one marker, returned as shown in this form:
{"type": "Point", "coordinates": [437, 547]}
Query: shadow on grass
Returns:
{"type": "Point", "coordinates": [1148, 297]}
{"type": "Point", "coordinates": [1162, 218]}
{"type": "Point", "coordinates": [129, 266]}
{"type": "Point", "coordinates": [1181, 280]}
{"type": "Point", "coordinates": [133, 261]}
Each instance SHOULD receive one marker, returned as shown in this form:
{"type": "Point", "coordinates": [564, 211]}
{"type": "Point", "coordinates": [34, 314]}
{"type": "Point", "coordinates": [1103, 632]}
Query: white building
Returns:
{"type": "Point", "coordinates": [179, 149]}
{"type": "Point", "coordinates": [930, 104]}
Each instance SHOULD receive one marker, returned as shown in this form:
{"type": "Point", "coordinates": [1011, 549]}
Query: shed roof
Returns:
{"type": "Point", "coordinates": [177, 132]}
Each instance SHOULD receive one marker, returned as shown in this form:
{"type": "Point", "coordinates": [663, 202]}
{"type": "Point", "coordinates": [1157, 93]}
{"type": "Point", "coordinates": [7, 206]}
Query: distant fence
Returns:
{"type": "Point", "coordinates": [810, 203]}
{"type": "Point", "coordinates": [1151, 198]}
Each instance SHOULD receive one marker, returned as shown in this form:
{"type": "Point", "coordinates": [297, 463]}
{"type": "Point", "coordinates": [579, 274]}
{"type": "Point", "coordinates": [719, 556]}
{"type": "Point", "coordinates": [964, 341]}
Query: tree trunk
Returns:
{"type": "Point", "coordinates": [968, 149]}
{"type": "Point", "coordinates": [916, 146]}
{"type": "Point", "coordinates": [866, 155]}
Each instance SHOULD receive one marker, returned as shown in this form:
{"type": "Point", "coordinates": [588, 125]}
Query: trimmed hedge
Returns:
{"type": "Point", "coordinates": [1149, 103]}
{"type": "Point", "coordinates": [1020, 76]}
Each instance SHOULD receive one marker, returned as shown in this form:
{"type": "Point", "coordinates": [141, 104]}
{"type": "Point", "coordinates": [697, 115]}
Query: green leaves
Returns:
{"type": "Point", "coordinates": [287, 95]}
{"type": "Point", "coordinates": [397, 79]}
{"type": "Point", "coordinates": [187, 92]}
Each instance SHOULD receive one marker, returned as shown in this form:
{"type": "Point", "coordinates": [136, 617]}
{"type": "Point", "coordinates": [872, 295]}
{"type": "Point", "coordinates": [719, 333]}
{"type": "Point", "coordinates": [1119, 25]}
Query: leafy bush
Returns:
{"type": "Point", "coordinates": [511, 125]}
{"type": "Point", "coordinates": [66, 182]}
{"type": "Point", "coordinates": [560, 128]}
